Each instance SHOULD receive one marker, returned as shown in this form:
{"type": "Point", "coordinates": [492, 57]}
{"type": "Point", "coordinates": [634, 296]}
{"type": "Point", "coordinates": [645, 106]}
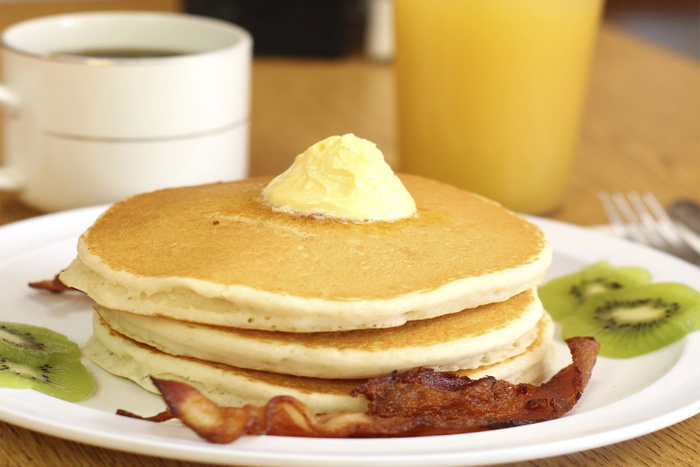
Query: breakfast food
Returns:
{"type": "Point", "coordinates": [561, 296]}
{"type": "Point", "coordinates": [34, 345]}
{"type": "Point", "coordinates": [418, 402]}
{"type": "Point", "coordinates": [33, 357]}
{"type": "Point", "coordinates": [218, 254]}
{"type": "Point", "coordinates": [236, 382]}
{"type": "Point", "coordinates": [310, 283]}
{"type": "Point", "coordinates": [471, 338]}
{"type": "Point", "coordinates": [635, 321]}
{"type": "Point", "coordinates": [621, 307]}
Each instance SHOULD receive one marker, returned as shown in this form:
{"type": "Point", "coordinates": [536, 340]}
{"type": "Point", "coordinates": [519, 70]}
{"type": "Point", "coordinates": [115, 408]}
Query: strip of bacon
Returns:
{"type": "Point", "coordinates": [446, 396]}
{"type": "Point", "coordinates": [52, 285]}
{"type": "Point", "coordinates": [418, 402]}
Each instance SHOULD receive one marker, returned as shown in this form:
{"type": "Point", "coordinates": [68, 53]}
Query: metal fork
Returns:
{"type": "Point", "coordinates": [640, 217]}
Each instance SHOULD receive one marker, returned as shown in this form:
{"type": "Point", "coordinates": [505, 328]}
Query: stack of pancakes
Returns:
{"type": "Point", "coordinates": [211, 286]}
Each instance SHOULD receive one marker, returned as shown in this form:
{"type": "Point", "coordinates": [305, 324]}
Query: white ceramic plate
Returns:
{"type": "Point", "coordinates": [625, 398]}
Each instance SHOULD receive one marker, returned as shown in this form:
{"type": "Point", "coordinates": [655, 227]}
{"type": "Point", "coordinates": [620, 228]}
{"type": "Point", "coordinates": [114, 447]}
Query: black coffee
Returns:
{"type": "Point", "coordinates": [121, 53]}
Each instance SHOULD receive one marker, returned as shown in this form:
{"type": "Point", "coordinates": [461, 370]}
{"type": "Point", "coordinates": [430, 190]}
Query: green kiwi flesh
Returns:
{"type": "Point", "coordinates": [68, 380]}
{"type": "Point", "coordinates": [37, 358]}
{"type": "Point", "coordinates": [561, 296]}
{"type": "Point", "coordinates": [34, 345]}
{"type": "Point", "coordinates": [634, 321]}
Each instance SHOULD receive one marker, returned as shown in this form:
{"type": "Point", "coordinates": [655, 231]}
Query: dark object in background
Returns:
{"type": "Point", "coordinates": [287, 27]}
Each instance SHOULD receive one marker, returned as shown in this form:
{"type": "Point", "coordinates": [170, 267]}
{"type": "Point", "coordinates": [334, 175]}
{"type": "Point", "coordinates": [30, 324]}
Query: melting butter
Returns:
{"type": "Point", "coordinates": [344, 177]}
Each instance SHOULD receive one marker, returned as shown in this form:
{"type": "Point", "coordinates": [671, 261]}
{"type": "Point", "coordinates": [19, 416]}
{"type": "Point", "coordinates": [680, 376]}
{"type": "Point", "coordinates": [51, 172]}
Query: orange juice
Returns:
{"type": "Point", "coordinates": [490, 93]}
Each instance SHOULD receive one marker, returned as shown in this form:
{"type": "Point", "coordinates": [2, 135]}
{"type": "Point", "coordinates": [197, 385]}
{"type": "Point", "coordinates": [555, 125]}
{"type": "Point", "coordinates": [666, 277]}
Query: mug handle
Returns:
{"type": "Point", "coordinates": [10, 177]}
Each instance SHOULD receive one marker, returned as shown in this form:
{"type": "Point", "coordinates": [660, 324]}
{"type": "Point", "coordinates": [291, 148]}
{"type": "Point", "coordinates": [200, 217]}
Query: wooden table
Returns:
{"type": "Point", "coordinates": [641, 131]}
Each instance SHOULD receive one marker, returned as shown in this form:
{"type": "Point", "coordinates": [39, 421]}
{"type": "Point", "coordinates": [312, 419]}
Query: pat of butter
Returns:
{"type": "Point", "coordinates": [344, 177]}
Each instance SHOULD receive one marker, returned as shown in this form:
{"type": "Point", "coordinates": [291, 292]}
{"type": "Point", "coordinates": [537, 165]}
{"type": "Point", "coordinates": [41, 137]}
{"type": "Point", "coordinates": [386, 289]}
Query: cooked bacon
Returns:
{"type": "Point", "coordinates": [418, 402]}
{"type": "Point", "coordinates": [281, 416]}
{"type": "Point", "coordinates": [52, 285]}
{"type": "Point", "coordinates": [446, 396]}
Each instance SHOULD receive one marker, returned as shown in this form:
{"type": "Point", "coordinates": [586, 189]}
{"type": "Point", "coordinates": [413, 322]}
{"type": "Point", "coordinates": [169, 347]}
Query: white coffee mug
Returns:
{"type": "Point", "coordinates": [99, 106]}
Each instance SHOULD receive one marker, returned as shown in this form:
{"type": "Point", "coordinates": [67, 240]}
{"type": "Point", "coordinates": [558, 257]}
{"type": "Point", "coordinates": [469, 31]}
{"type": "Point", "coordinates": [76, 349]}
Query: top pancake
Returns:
{"type": "Point", "coordinates": [217, 254]}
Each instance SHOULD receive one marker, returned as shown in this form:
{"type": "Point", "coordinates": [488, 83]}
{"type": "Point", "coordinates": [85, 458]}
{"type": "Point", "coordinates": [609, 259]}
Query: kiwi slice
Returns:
{"type": "Point", "coordinates": [33, 357]}
{"type": "Point", "coordinates": [561, 296]}
{"type": "Point", "coordinates": [34, 345]}
{"type": "Point", "coordinates": [68, 379]}
{"type": "Point", "coordinates": [634, 321]}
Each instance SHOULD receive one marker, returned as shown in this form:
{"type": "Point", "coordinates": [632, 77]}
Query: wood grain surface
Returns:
{"type": "Point", "coordinates": [641, 131]}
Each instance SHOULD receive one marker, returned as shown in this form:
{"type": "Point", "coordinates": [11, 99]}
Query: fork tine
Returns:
{"type": "Point", "coordinates": [630, 220]}
{"type": "Point", "coordinates": [616, 222]}
{"type": "Point", "coordinates": [650, 224]}
{"type": "Point", "coordinates": [641, 217]}
{"type": "Point", "coordinates": [666, 226]}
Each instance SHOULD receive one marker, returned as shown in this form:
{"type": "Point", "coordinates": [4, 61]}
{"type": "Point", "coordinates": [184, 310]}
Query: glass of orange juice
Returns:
{"type": "Point", "coordinates": [490, 93]}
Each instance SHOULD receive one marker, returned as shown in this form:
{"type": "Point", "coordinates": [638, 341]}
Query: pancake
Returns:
{"type": "Point", "coordinates": [465, 340]}
{"type": "Point", "coordinates": [231, 386]}
{"type": "Point", "coordinates": [216, 254]}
